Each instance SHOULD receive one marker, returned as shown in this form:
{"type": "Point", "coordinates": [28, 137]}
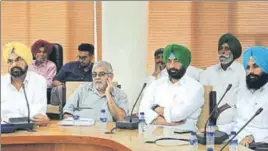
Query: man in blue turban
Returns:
{"type": "Point", "coordinates": [255, 61]}
{"type": "Point", "coordinates": [251, 97]}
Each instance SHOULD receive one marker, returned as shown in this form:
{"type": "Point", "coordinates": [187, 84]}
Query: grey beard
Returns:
{"type": "Point", "coordinates": [226, 60]}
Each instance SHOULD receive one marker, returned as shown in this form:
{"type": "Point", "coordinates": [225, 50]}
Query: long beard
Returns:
{"type": "Point", "coordinates": [18, 71]}
{"type": "Point", "coordinates": [176, 74]}
{"type": "Point", "coordinates": [226, 59]}
{"type": "Point", "coordinates": [255, 82]}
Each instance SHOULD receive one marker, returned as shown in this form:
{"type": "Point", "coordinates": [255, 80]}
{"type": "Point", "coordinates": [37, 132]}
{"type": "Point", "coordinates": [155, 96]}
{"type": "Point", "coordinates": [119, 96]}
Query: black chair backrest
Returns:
{"type": "Point", "coordinates": [56, 56]}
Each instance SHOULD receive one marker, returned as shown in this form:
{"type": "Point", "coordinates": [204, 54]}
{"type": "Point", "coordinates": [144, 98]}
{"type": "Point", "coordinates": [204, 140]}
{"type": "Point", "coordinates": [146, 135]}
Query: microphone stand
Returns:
{"type": "Point", "coordinates": [212, 112]}
{"type": "Point", "coordinates": [257, 113]}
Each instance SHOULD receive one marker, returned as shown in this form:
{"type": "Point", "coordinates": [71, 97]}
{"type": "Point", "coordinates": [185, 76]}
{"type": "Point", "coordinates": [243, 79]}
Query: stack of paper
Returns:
{"type": "Point", "coordinates": [80, 122]}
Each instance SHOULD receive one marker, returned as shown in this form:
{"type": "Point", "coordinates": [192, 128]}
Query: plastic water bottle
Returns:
{"type": "Point", "coordinates": [193, 142]}
{"type": "Point", "coordinates": [103, 121]}
{"type": "Point", "coordinates": [234, 143]}
{"type": "Point", "coordinates": [76, 128]}
{"type": "Point", "coordinates": [142, 124]}
{"type": "Point", "coordinates": [210, 137]}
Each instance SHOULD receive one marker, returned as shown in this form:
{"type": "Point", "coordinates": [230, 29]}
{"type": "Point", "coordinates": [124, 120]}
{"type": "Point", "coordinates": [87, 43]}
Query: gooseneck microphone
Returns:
{"type": "Point", "coordinates": [19, 123]}
{"type": "Point", "coordinates": [131, 122]}
{"type": "Point", "coordinates": [227, 89]}
{"type": "Point", "coordinates": [27, 102]}
{"type": "Point", "coordinates": [257, 113]}
{"type": "Point", "coordinates": [202, 139]}
{"type": "Point", "coordinates": [143, 87]}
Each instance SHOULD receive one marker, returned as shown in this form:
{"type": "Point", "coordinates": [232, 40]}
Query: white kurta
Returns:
{"type": "Point", "coordinates": [247, 105]}
{"type": "Point", "coordinates": [182, 101]}
{"type": "Point", "coordinates": [219, 79]}
{"type": "Point", "coordinates": [13, 102]}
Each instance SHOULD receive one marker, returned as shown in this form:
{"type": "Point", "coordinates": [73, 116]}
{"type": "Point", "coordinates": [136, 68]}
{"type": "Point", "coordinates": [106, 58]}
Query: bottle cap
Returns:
{"type": "Point", "coordinates": [141, 113]}
{"type": "Point", "coordinates": [102, 110]}
{"type": "Point", "coordinates": [76, 117]}
{"type": "Point", "coordinates": [210, 149]}
{"type": "Point", "coordinates": [193, 133]}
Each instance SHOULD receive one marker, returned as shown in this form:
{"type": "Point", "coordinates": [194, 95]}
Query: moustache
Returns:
{"type": "Point", "coordinates": [160, 62]}
{"type": "Point", "coordinates": [223, 56]}
{"type": "Point", "coordinates": [253, 76]}
{"type": "Point", "coordinates": [17, 71]}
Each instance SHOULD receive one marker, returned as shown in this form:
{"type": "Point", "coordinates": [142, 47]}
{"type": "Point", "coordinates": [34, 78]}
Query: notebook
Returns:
{"type": "Point", "coordinates": [80, 122]}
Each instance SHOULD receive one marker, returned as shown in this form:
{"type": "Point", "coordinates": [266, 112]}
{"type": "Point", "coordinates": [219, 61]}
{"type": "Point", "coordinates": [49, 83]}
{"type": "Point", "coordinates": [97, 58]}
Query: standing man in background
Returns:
{"type": "Point", "coordinates": [228, 71]}
{"type": "Point", "coordinates": [159, 65]}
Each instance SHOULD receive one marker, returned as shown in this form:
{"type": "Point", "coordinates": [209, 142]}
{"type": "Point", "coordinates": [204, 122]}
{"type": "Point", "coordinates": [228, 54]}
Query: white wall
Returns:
{"type": "Point", "coordinates": [124, 42]}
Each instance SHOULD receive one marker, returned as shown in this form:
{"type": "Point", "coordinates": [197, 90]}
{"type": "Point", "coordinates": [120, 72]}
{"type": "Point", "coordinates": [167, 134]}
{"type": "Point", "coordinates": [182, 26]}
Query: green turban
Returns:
{"type": "Point", "coordinates": [233, 42]}
{"type": "Point", "coordinates": [181, 53]}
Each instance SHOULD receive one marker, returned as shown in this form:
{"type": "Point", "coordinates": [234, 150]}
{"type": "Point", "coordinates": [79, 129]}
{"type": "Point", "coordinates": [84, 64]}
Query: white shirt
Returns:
{"type": "Point", "coordinates": [219, 79]}
{"type": "Point", "coordinates": [182, 101]}
{"type": "Point", "coordinates": [13, 102]}
{"type": "Point", "coordinates": [247, 104]}
{"type": "Point", "coordinates": [191, 72]}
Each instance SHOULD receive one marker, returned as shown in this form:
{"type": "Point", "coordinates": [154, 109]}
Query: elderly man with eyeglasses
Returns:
{"type": "Point", "coordinates": [88, 100]}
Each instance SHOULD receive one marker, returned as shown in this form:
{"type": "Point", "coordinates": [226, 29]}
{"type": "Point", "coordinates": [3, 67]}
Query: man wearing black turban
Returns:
{"type": "Point", "coordinates": [226, 72]}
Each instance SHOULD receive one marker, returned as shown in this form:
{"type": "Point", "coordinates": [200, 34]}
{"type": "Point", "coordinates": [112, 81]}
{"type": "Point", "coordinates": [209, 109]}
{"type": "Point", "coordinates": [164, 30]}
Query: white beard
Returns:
{"type": "Point", "coordinates": [226, 60]}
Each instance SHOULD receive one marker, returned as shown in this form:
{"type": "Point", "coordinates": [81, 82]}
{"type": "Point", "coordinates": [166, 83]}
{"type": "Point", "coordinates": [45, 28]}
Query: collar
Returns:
{"type": "Point", "coordinates": [231, 67]}
{"type": "Point", "coordinates": [178, 83]}
{"type": "Point", "coordinates": [91, 87]}
{"type": "Point", "coordinates": [26, 80]}
{"type": "Point", "coordinates": [88, 67]}
{"type": "Point", "coordinates": [263, 88]}
{"type": "Point", "coordinates": [43, 64]}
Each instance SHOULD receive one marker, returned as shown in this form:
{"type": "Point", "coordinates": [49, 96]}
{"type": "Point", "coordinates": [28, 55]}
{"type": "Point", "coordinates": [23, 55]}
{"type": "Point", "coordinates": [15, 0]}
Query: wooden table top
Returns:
{"type": "Point", "coordinates": [121, 140]}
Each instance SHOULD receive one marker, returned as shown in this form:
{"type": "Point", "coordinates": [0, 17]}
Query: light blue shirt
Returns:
{"type": "Point", "coordinates": [86, 96]}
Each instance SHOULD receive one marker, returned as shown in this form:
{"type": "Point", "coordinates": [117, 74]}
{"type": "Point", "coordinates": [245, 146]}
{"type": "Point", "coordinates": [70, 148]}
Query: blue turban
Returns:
{"type": "Point", "coordinates": [260, 56]}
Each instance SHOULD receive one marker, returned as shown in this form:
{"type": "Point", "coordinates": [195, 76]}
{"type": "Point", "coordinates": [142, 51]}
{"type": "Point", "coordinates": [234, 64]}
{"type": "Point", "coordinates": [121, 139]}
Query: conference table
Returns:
{"type": "Point", "coordinates": [55, 137]}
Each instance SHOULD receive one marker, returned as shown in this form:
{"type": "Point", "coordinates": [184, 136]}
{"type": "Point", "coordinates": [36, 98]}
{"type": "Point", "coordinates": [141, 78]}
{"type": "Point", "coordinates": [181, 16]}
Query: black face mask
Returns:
{"type": "Point", "coordinates": [18, 71]}
{"type": "Point", "coordinates": [176, 74]}
{"type": "Point", "coordinates": [256, 81]}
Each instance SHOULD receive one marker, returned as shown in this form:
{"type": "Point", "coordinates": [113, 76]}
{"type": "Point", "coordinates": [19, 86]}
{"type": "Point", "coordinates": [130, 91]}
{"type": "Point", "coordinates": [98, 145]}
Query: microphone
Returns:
{"type": "Point", "coordinates": [219, 136]}
{"type": "Point", "coordinates": [257, 113]}
{"type": "Point", "coordinates": [131, 122]}
{"type": "Point", "coordinates": [19, 123]}
{"type": "Point", "coordinates": [27, 102]}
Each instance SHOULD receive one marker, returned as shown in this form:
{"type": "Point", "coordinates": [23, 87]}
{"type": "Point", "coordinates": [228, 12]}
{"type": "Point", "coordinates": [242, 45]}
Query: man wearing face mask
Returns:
{"type": "Point", "coordinates": [20, 85]}
{"type": "Point", "coordinates": [228, 71]}
{"type": "Point", "coordinates": [175, 99]}
{"type": "Point", "coordinates": [88, 100]}
{"type": "Point", "coordinates": [252, 96]}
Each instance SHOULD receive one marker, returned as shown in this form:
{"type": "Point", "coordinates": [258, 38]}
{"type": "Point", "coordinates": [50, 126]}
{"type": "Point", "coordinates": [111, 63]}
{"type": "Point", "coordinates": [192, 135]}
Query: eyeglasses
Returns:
{"type": "Point", "coordinates": [17, 60]}
{"type": "Point", "coordinates": [83, 58]}
{"type": "Point", "coordinates": [100, 74]}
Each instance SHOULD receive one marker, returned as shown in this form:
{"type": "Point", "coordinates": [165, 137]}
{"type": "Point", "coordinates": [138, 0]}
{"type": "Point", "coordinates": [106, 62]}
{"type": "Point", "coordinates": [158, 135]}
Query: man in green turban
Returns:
{"type": "Point", "coordinates": [166, 101]}
{"type": "Point", "coordinates": [221, 75]}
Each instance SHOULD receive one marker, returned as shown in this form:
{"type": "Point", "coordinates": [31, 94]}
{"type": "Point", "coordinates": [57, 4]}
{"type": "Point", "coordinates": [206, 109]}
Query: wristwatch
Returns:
{"type": "Point", "coordinates": [154, 106]}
